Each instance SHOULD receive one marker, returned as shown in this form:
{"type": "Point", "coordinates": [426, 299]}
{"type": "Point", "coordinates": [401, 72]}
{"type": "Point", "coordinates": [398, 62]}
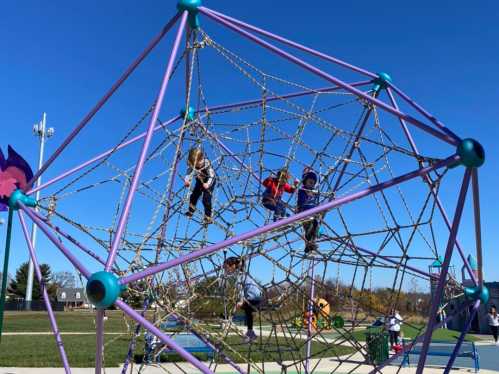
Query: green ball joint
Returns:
{"type": "Point", "coordinates": [19, 196]}
{"type": "Point", "coordinates": [475, 293]}
{"type": "Point", "coordinates": [103, 289]}
{"type": "Point", "coordinates": [190, 6]}
{"type": "Point", "coordinates": [188, 114]}
{"type": "Point", "coordinates": [381, 82]}
{"type": "Point", "coordinates": [471, 153]}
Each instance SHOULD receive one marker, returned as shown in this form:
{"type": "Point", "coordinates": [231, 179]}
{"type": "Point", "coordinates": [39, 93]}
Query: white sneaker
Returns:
{"type": "Point", "coordinates": [497, 343]}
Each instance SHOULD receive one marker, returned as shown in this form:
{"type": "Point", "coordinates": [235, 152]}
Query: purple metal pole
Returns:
{"type": "Point", "coordinates": [164, 338]}
{"type": "Point", "coordinates": [140, 163]}
{"type": "Point", "coordinates": [478, 225]}
{"type": "Point", "coordinates": [76, 263]}
{"type": "Point", "coordinates": [99, 330]}
{"type": "Point", "coordinates": [282, 97]}
{"type": "Point", "coordinates": [412, 344]}
{"type": "Point", "coordinates": [443, 274]}
{"type": "Point", "coordinates": [46, 300]}
{"type": "Point", "coordinates": [459, 342]}
{"type": "Point", "coordinates": [330, 78]}
{"type": "Point", "coordinates": [284, 222]}
{"type": "Point", "coordinates": [310, 309]}
{"type": "Point", "coordinates": [423, 111]}
{"type": "Point", "coordinates": [104, 99]}
{"type": "Point", "coordinates": [99, 157]}
{"type": "Point", "coordinates": [437, 199]}
{"type": "Point", "coordinates": [294, 44]}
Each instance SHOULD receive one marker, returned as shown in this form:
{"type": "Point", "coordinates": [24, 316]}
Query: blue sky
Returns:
{"type": "Point", "coordinates": [60, 57]}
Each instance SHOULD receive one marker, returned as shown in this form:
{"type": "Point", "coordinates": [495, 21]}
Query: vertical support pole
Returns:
{"type": "Point", "coordinates": [310, 310]}
{"type": "Point", "coordinates": [29, 286]}
{"type": "Point", "coordinates": [478, 224]}
{"type": "Point", "coordinates": [99, 327]}
{"type": "Point", "coordinates": [443, 274]}
{"type": "Point", "coordinates": [50, 312]}
{"type": "Point", "coordinates": [5, 270]}
{"type": "Point", "coordinates": [459, 342]}
{"type": "Point", "coordinates": [142, 158]}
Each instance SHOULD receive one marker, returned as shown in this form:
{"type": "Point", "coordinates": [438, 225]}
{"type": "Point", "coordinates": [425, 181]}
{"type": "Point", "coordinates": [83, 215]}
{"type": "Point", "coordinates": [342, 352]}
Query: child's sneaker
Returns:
{"type": "Point", "coordinates": [189, 213]}
{"type": "Point", "coordinates": [208, 220]}
{"type": "Point", "coordinates": [310, 247]}
{"type": "Point", "coordinates": [250, 337]}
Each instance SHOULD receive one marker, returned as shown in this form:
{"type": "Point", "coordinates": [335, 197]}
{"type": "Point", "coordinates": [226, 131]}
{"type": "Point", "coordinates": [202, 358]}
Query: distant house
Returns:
{"type": "Point", "coordinates": [71, 297]}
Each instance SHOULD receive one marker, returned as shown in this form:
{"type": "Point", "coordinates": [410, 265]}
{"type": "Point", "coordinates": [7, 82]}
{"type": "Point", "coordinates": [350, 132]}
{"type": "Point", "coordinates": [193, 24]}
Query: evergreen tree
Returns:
{"type": "Point", "coordinates": [17, 287]}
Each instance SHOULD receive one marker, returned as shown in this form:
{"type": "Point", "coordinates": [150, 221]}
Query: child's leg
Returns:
{"type": "Point", "coordinates": [207, 200]}
{"type": "Point", "coordinates": [495, 332]}
{"type": "Point", "coordinates": [280, 209]}
{"type": "Point", "coordinates": [248, 312]}
{"type": "Point", "coordinates": [269, 203]}
{"type": "Point", "coordinates": [195, 195]}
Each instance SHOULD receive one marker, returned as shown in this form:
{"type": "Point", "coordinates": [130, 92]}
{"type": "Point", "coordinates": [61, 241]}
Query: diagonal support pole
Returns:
{"type": "Point", "coordinates": [284, 222]}
{"type": "Point", "coordinates": [104, 99]}
{"type": "Point", "coordinates": [46, 300]}
{"type": "Point", "coordinates": [164, 338]}
{"type": "Point", "coordinates": [140, 163]}
{"type": "Point", "coordinates": [386, 107]}
{"type": "Point", "coordinates": [459, 342]}
{"type": "Point", "coordinates": [432, 316]}
{"type": "Point", "coordinates": [478, 224]}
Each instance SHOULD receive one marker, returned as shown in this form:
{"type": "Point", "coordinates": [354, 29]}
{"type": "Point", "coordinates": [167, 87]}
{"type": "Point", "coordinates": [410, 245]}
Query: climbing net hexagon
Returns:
{"type": "Point", "coordinates": [287, 204]}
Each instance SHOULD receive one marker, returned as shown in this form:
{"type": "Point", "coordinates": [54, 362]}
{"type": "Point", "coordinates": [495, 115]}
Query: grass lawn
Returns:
{"type": "Point", "coordinates": [411, 332]}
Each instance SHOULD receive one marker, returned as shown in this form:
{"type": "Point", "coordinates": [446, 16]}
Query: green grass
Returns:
{"type": "Point", "coordinates": [67, 322]}
{"type": "Point", "coordinates": [411, 332]}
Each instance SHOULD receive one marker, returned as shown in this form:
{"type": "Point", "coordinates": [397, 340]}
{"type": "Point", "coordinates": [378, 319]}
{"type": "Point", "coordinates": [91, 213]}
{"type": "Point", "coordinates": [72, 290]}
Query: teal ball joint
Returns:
{"type": "Point", "coordinates": [103, 289]}
{"type": "Point", "coordinates": [190, 6]}
{"type": "Point", "coordinates": [188, 114]}
{"type": "Point", "coordinates": [19, 196]}
{"type": "Point", "coordinates": [471, 153]}
{"type": "Point", "coordinates": [382, 81]}
{"type": "Point", "coordinates": [475, 293]}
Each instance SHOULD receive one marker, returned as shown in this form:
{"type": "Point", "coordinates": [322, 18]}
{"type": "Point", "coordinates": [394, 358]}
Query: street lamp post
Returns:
{"type": "Point", "coordinates": [42, 133]}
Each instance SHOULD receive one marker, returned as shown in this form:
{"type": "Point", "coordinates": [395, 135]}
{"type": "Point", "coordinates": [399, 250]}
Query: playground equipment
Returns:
{"type": "Point", "coordinates": [381, 158]}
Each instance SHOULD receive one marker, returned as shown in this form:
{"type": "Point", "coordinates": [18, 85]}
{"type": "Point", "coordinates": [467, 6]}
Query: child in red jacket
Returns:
{"type": "Point", "coordinates": [275, 187]}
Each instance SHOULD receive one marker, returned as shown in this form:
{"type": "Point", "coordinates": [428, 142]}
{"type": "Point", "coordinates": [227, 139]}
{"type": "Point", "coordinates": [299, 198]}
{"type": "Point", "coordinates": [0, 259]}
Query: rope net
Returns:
{"type": "Point", "coordinates": [344, 140]}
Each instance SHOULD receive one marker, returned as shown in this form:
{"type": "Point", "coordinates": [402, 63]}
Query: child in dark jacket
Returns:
{"type": "Point", "coordinates": [250, 294]}
{"type": "Point", "coordinates": [200, 167]}
{"type": "Point", "coordinates": [275, 188]}
{"type": "Point", "coordinates": [308, 198]}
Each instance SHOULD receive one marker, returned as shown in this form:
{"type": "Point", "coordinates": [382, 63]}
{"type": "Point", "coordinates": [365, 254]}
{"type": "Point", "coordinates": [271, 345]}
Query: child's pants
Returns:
{"type": "Point", "coordinates": [394, 337]}
{"type": "Point", "coordinates": [311, 228]}
{"type": "Point", "coordinates": [275, 205]}
{"type": "Point", "coordinates": [249, 307]}
{"type": "Point", "coordinates": [207, 196]}
{"type": "Point", "coordinates": [495, 332]}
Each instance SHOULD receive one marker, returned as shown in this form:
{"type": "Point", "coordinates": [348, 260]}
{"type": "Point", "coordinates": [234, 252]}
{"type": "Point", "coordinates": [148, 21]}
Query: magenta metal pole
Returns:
{"type": "Point", "coordinates": [310, 310]}
{"type": "Point", "coordinates": [164, 338]}
{"type": "Point", "coordinates": [294, 44]}
{"type": "Point", "coordinates": [478, 224]}
{"type": "Point", "coordinates": [46, 300]}
{"type": "Point", "coordinates": [445, 137]}
{"type": "Point", "coordinates": [99, 157]}
{"type": "Point", "coordinates": [281, 97]}
{"type": "Point", "coordinates": [104, 99]}
{"type": "Point", "coordinates": [99, 330]}
{"type": "Point", "coordinates": [420, 109]}
{"type": "Point", "coordinates": [140, 163]}
{"type": "Point", "coordinates": [286, 221]}
{"type": "Point", "coordinates": [76, 263]}
{"type": "Point", "coordinates": [437, 199]}
{"type": "Point", "coordinates": [459, 342]}
{"type": "Point", "coordinates": [437, 297]}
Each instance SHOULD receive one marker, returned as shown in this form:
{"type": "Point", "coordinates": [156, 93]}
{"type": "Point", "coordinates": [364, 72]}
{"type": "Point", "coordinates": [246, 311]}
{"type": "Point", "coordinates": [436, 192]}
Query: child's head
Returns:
{"type": "Point", "coordinates": [283, 175]}
{"type": "Point", "coordinates": [493, 309]}
{"type": "Point", "coordinates": [233, 264]}
{"type": "Point", "coordinates": [195, 158]}
{"type": "Point", "coordinates": [309, 178]}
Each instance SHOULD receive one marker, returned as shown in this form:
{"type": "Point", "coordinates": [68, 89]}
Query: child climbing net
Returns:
{"type": "Point", "coordinates": [308, 195]}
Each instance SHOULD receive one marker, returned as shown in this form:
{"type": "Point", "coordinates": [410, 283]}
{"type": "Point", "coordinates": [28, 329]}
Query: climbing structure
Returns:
{"type": "Point", "coordinates": [380, 218]}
